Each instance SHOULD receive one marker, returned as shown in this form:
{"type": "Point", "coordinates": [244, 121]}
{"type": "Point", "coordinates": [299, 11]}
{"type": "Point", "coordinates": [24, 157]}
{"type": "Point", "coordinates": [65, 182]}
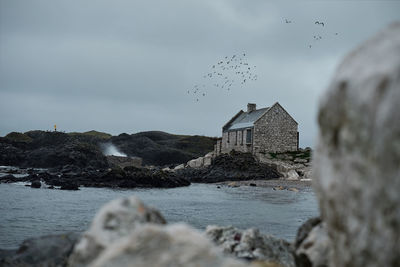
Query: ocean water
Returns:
{"type": "Point", "coordinates": [27, 212]}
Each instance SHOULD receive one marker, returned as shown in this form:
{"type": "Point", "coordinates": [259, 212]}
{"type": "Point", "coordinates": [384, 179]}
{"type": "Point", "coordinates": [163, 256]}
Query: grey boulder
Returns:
{"type": "Point", "coordinates": [357, 159]}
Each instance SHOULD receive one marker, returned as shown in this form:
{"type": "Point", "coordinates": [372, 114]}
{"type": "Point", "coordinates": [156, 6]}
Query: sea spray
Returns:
{"type": "Point", "coordinates": [111, 150]}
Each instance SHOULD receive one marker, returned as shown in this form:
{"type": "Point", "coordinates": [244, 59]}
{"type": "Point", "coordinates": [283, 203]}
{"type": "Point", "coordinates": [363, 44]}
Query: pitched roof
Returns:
{"type": "Point", "coordinates": [245, 119]}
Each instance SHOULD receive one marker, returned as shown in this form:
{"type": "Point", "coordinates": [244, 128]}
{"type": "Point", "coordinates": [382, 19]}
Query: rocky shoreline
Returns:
{"type": "Point", "coordinates": [69, 179]}
{"type": "Point", "coordinates": [275, 184]}
{"type": "Point", "coordinates": [226, 167]}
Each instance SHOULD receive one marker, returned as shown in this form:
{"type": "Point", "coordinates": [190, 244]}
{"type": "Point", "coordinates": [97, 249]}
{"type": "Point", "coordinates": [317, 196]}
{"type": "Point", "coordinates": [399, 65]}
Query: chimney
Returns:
{"type": "Point", "coordinates": [251, 107]}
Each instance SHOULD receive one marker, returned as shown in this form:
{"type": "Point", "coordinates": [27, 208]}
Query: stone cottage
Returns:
{"type": "Point", "coordinates": [269, 129]}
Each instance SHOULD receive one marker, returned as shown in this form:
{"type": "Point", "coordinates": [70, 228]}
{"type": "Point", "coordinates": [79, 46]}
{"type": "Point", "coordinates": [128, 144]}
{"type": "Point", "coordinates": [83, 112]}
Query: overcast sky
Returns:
{"type": "Point", "coordinates": [126, 66]}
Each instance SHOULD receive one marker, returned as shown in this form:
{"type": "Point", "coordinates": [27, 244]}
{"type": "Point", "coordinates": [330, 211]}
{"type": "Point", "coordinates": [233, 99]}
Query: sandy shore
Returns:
{"type": "Point", "coordinates": [279, 184]}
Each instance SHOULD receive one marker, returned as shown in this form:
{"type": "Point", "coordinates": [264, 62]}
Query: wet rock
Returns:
{"type": "Point", "coordinates": [251, 245]}
{"type": "Point", "coordinates": [278, 188]}
{"type": "Point", "coordinates": [36, 184]}
{"type": "Point", "coordinates": [52, 250]}
{"type": "Point", "coordinates": [9, 178]}
{"type": "Point", "coordinates": [69, 186]}
{"type": "Point", "coordinates": [356, 167]}
{"type": "Point", "coordinates": [116, 220]}
{"type": "Point", "coordinates": [172, 245]}
{"type": "Point", "coordinates": [70, 169]}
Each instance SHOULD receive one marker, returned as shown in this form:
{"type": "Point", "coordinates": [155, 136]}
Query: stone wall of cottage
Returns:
{"type": "Point", "coordinates": [276, 131]}
{"type": "Point", "coordinates": [218, 147]}
{"type": "Point", "coordinates": [236, 140]}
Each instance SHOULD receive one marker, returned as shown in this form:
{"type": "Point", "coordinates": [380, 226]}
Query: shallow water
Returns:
{"type": "Point", "coordinates": [27, 212]}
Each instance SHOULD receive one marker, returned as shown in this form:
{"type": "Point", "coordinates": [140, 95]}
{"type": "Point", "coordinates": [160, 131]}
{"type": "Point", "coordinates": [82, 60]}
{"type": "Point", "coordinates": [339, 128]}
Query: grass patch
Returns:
{"type": "Point", "coordinates": [93, 133]}
{"type": "Point", "coordinates": [18, 137]}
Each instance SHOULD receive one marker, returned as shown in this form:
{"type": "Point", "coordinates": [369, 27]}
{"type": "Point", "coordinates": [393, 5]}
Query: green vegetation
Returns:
{"type": "Point", "coordinates": [18, 137]}
{"type": "Point", "coordinates": [93, 133]}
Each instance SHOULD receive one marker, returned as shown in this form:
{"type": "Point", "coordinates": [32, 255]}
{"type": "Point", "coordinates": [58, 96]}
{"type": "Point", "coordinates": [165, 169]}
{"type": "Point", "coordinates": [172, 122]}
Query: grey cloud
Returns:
{"type": "Point", "coordinates": [125, 66]}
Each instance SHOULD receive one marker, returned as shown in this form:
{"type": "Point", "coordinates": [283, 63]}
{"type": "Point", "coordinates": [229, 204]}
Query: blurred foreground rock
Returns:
{"type": "Point", "coordinates": [115, 220]}
{"type": "Point", "coordinates": [312, 245]}
{"type": "Point", "coordinates": [127, 233]}
{"type": "Point", "coordinates": [250, 244]}
{"type": "Point", "coordinates": [172, 245]}
{"type": "Point", "coordinates": [357, 160]}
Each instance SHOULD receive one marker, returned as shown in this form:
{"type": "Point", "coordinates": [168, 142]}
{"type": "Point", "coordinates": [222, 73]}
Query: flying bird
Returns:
{"type": "Point", "coordinates": [288, 21]}
{"type": "Point", "coordinates": [320, 23]}
{"type": "Point", "coordinates": [225, 74]}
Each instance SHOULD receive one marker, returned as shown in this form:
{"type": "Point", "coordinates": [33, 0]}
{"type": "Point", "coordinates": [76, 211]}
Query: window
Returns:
{"type": "Point", "coordinates": [248, 136]}
{"type": "Point", "coordinates": [236, 137]}
{"type": "Point", "coordinates": [228, 137]}
{"type": "Point", "coordinates": [241, 137]}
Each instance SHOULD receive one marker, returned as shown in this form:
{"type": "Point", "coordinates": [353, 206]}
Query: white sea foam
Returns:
{"type": "Point", "coordinates": [111, 150]}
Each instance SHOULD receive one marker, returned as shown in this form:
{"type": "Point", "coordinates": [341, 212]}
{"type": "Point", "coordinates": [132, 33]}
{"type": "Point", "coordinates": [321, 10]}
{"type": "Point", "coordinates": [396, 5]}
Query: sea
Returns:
{"type": "Point", "coordinates": [28, 212]}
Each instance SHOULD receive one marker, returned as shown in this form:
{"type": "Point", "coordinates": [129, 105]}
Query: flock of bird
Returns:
{"type": "Point", "coordinates": [315, 37]}
{"type": "Point", "coordinates": [231, 70]}
{"type": "Point", "coordinates": [224, 74]}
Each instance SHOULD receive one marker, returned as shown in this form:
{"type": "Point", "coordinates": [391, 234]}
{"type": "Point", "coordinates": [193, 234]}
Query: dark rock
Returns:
{"type": "Point", "coordinates": [162, 149]}
{"type": "Point", "coordinates": [253, 184]}
{"type": "Point", "coordinates": [52, 250]}
{"type": "Point", "coordinates": [52, 149]}
{"type": "Point", "coordinates": [235, 166]}
{"type": "Point", "coordinates": [9, 178]}
{"type": "Point", "coordinates": [36, 184]}
{"type": "Point", "coordinates": [70, 169]}
{"type": "Point", "coordinates": [69, 186]}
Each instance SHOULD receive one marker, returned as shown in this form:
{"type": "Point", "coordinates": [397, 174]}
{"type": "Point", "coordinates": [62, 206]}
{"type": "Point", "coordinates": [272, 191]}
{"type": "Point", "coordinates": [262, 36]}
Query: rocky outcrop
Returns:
{"type": "Point", "coordinates": [161, 149]}
{"type": "Point", "coordinates": [201, 161]}
{"type": "Point", "coordinates": [356, 168]}
{"type": "Point", "coordinates": [52, 250]}
{"type": "Point", "coordinates": [123, 162]}
{"type": "Point", "coordinates": [250, 244]}
{"type": "Point", "coordinates": [52, 149]}
{"type": "Point", "coordinates": [235, 166]}
{"type": "Point", "coordinates": [291, 165]}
